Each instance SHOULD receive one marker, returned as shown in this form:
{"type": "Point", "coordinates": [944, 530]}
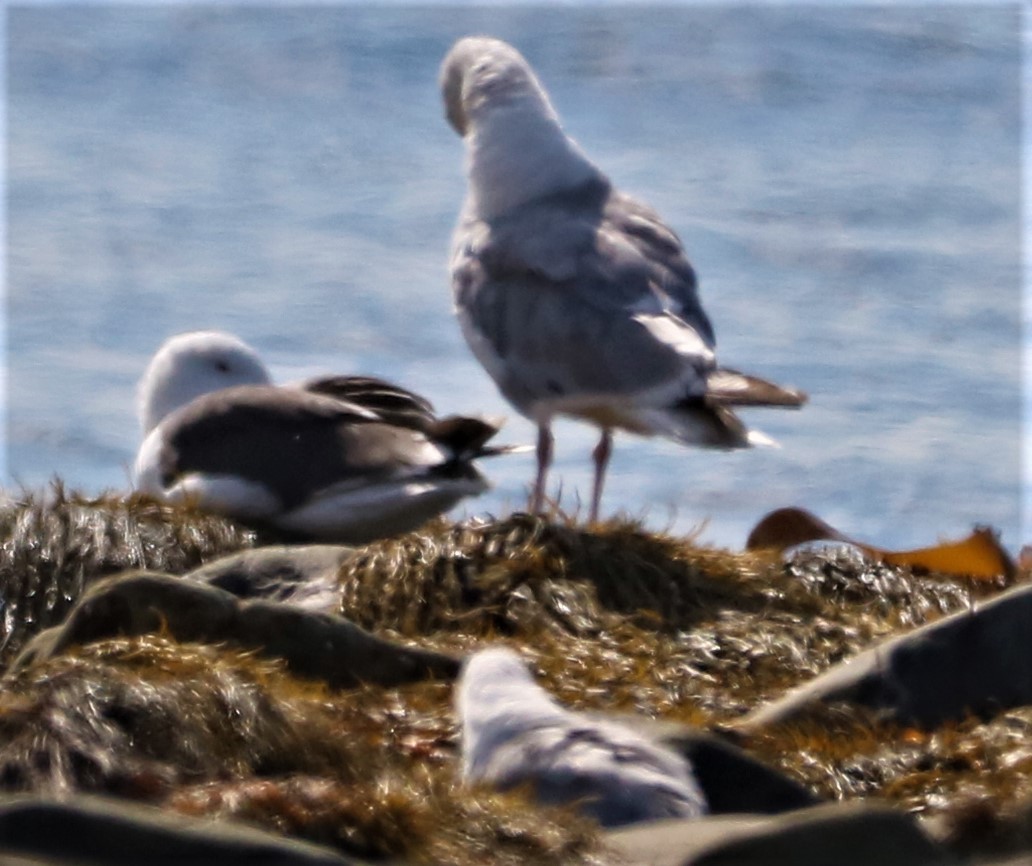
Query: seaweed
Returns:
{"type": "Point", "coordinates": [613, 618]}
{"type": "Point", "coordinates": [54, 543]}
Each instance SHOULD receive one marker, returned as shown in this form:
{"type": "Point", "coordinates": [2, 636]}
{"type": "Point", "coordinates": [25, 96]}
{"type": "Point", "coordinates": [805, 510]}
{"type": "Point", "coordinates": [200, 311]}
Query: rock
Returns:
{"type": "Point", "coordinates": [734, 781]}
{"type": "Point", "coordinates": [314, 645]}
{"type": "Point", "coordinates": [977, 661]}
{"type": "Point", "coordinates": [99, 830]}
{"type": "Point", "coordinates": [303, 575]}
{"type": "Point", "coordinates": [843, 834]}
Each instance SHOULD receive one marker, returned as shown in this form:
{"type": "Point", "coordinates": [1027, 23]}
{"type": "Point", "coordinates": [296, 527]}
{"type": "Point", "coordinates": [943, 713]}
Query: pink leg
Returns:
{"type": "Point", "coordinates": [544, 460]}
{"type": "Point", "coordinates": [601, 456]}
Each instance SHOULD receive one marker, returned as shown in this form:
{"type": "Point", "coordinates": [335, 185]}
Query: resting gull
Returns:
{"type": "Point", "coordinates": [577, 298]}
{"type": "Point", "coordinates": [514, 733]}
{"type": "Point", "coordinates": [339, 458]}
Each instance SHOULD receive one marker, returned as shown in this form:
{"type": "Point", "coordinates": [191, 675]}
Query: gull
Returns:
{"type": "Point", "coordinates": [340, 458]}
{"type": "Point", "coordinates": [514, 733]}
{"type": "Point", "coordinates": [576, 298]}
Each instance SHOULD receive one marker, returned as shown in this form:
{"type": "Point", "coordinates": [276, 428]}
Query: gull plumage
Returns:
{"type": "Point", "coordinates": [576, 298]}
{"type": "Point", "coordinates": [339, 458]}
{"type": "Point", "coordinates": [514, 733]}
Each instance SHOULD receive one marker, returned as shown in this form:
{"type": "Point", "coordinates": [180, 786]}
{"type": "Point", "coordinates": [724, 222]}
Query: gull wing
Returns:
{"type": "Point", "coordinates": [293, 443]}
{"type": "Point", "coordinates": [582, 294]}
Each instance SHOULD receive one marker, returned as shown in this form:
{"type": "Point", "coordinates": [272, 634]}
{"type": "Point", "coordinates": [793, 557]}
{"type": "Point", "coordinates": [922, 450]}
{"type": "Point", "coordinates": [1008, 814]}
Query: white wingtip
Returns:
{"type": "Point", "coordinates": [761, 440]}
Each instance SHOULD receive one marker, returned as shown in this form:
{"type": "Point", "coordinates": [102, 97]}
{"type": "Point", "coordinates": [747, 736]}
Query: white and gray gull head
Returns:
{"type": "Point", "coordinates": [577, 299]}
{"type": "Point", "coordinates": [191, 364]}
{"type": "Point", "coordinates": [339, 458]}
{"type": "Point", "coordinates": [514, 733]}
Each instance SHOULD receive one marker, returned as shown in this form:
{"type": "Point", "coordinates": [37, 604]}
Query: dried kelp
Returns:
{"type": "Point", "coordinates": [53, 543]}
{"type": "Point", "coordinates": [616, 618]}
{"type": "Point", "coordinates": [208, 731]}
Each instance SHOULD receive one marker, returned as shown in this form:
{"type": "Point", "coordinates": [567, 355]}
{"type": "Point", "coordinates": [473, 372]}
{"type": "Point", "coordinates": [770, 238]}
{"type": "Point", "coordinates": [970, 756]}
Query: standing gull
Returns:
{"type": "Point", "coordinates": [577, 298]}
{"type": "Point", "coordinates": [347, 459]}
{"type": "Point", "coordinates": [514, 733]}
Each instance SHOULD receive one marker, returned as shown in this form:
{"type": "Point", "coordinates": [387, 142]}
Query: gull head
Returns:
{"type": "Point", "coordinates": [516, 148]}
{"type": "Point", "coordinates": [482, 75]}
{"type": "Point", "coordinates": [190, 365]}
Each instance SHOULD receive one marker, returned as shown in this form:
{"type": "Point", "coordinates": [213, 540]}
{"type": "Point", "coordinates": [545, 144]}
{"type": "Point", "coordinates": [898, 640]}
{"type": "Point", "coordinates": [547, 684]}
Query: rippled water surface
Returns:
{"type": "Point", "coordinates": [847, 182]}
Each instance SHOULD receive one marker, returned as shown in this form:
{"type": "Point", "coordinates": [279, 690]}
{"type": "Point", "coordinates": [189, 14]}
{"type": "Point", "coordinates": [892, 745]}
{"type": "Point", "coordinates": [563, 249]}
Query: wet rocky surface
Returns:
{"type": "Point", "coordinates": [174, 683]}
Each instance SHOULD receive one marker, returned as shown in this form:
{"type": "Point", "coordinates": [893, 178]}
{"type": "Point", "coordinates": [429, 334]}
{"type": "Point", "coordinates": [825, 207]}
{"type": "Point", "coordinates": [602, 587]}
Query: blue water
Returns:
{"type": "Point", "coordinates": [847, 182]}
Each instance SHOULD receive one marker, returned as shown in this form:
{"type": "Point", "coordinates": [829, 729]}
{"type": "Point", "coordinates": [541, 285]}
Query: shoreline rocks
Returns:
{"type": "Point", "coordinates": [975, 662]}
{"type": "Point", "coordinates": [313, 645]}
{"type": "Point", "coordinates": [843, 834]}
{"type": "Point", "coordinates": [346, 737]}
{"type": "Point", "coordinates": [91, 829]}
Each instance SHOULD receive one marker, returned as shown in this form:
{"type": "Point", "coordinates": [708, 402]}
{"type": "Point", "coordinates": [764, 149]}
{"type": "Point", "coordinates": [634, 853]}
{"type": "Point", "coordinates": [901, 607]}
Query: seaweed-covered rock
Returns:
{"type": "Point", "coordinates": [53, 544]}
{"type": "Point", "coordinates": [107, 831]}
{"type": "Point", "coordinates": [841, 834]}
{"type": "Point", "coordinates": [976, 661]}
{"type": "Point", "coordinates": [614, 619]}
{"type": "Point", "coordinates": [217, 733]}
{"type": "Point", "coordinates": [313, 645]}
{"type": "Point", "coordinates": [303, 575]}
{"type": "Point", "coordinates": [136, 716]}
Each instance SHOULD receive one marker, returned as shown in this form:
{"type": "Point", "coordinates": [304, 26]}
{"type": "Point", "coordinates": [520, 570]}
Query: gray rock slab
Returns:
{"type": "Point", "coordinates": [973, 662]}
{"type": "Point", "coordinates": [313, 645]}
{"type": "Point", "coordinates": [833, 834]}
{"type": "Point", "coordinates": [99, 830]}
{"type": "Point", "coordinates": [303, 575]}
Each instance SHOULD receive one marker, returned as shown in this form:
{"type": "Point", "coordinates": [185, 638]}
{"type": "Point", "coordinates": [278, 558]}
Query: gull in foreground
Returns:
{"type": "Point", "coordinates": [340, 458]}
{"type": "Point", "coordinates": [576, 298]}
{"type": "Point", "coordinates": [514, 733]}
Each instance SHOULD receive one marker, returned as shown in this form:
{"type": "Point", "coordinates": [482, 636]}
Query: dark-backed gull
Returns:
{"type": "Point", "coordinates": [347, 459]}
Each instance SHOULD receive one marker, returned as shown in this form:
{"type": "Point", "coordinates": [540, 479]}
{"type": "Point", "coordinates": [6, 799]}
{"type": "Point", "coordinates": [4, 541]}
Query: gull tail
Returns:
{"type": "Point", "coordinates": [726, 387]}
{"type": "Point", "coordinates": [759, 439]}
{"type": "Point", "coordinates": [709, 419]}
{"type": "Point", "coordinates": [466, 437]}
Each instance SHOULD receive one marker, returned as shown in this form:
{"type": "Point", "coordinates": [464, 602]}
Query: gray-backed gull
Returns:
{"type": "Point", "coordinates": [576, 298]}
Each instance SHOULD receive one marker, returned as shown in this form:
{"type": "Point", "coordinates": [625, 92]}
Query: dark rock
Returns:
{"type": "Point", "coordinates": [304, 575]}
{"type": "Point", "coordinates": [973, 662]}
{"type": "Point", "coordinates": [315, 645]}
{"type": "Point", "coordinates": [843, 834]}
{"type": "Point", "coordinates": [734, 781]}
{"type": "Point", "coordinates": [97, 830]}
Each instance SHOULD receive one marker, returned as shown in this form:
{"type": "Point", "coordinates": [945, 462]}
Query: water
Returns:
{"type": "Point", "coordinates": [847, 181]}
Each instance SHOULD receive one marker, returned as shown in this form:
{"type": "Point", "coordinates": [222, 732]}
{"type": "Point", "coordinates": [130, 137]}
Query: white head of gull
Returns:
{"type": "Point", "coordinates": [346, 459]}
{"type": "Point", "coordinates": [514, 733]}
{"type": "Point", "coordinates": [191, 364]}
{"type": "Point", "coordinates": [576, 298]}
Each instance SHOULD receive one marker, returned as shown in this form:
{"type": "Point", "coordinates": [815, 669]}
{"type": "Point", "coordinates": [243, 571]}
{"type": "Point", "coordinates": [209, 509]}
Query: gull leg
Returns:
{"type": "Point", "coordinates": [544, 460]}
{"type": "Point", "coordinates": [601, 456]}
